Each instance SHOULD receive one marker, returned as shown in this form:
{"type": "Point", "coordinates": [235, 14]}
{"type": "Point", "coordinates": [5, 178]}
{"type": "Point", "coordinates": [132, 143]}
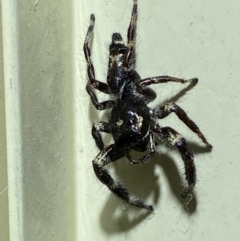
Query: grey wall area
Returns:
{"type": "Point", "coordinates": [40, 128]}
{"type": "Point", "coordinates": [4, 220]}
{"type": "Point", "coordinates": [46, 103]}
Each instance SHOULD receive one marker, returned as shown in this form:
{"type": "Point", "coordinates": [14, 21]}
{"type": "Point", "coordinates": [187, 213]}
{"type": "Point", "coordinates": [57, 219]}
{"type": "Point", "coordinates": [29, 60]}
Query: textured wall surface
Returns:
{"type": "Point", "coordinates": [4, 233]}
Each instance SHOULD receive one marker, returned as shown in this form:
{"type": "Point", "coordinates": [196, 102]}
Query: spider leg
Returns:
{"type": "Point", "coordinates": [165, 79]}
{"type": "Point", "coordinates": [98, 105]}
{"type": "Point", "coordinates": [97, 127]}
{"type": "Point", "coordinates": [93, 83]}
{"type": "Point", "coordinates": [102, 126]}
{"type": "Point", "coordinates": [115, 187]}
{"type": "Point", "coordinates": [166, 109]}
{"type": "Point", "coordinates": [144, 158]}
{"type": "Point", "coordinates": [173, 139]}
{"type": "Point", "coordinates": [148, 93]}
{"type": "Point", "coordinates": [141, 160]}
{"type": "Point", "coordinates": [103, 87]}
{"type": "Point", "coordinates": [131, 34]}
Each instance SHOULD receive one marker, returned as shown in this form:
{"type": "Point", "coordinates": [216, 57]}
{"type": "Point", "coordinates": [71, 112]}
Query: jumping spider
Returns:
{"type": "Point", "coordinates": [132, 123]}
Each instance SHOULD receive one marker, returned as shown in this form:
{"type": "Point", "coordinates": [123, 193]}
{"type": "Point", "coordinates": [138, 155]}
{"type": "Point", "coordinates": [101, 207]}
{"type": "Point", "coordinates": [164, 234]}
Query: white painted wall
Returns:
{"type": "Point", "coordinates": [4, 227]}
{"type": "Point", "coordinates": [185, 39]}
{"type": "Point", "coordinates": [53, 192]}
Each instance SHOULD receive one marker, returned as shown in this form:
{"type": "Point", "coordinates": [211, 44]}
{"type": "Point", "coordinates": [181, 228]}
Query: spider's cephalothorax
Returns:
{"type": "Point", "coordinates": [132, 123]}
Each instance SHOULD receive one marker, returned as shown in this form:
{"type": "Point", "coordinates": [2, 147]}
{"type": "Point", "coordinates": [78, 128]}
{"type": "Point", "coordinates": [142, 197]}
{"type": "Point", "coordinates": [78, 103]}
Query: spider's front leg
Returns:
{"type": "Point", "coordinates": [93, 83]}
{"type": "Point", "coordinates": [115, 187]}
{"type": "Point", "coordinates": [173, 139]}
{"type": "Point", "coordinates": [166, 109]}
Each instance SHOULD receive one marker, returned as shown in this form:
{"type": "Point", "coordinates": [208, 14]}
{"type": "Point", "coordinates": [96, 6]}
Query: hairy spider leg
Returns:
{"type": "Point", "coordinates": [93, 83]}
{"type": "Point", "coordinates": [103, 87]}
{"type": "Point", "coordinates": [115, 187]}
{"type": "Point", "coordinates": [148, 93]}
{"type": "Point", "coordinates": [103, 126]}
{"type": "Point", "coordinates": [165, 79]}
{"type": "Point", "coordinates": [97, 127]}
{"type": "Point", "coordinates": [98, 105]}
{"type": "Point", "coordinates": [145, 158]}
{"type": "Point", "coordinates": [165, 109]}
{"type": "Point", "coordinates": [173, 139]}
{"type": "Point", "coordinates": [132, 160]}
{"type": "Point", "coordinates": [152, 147]}
{"type": "Point", "coordinates": [131, 34]}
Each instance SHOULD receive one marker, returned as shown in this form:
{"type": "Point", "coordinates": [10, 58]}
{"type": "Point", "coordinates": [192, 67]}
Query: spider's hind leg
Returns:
{"type": "Point", "coordinates": [115, 187]}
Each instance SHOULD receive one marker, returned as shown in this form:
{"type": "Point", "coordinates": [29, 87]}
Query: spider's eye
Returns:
{"type": "Point", "coordinates": [135, 121]}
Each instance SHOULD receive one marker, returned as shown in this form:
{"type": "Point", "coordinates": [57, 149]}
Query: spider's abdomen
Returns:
{"type": "Point", "coordinates": [130, 123]}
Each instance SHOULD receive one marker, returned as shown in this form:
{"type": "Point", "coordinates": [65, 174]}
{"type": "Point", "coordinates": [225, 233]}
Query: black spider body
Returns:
{"type": "Point", "coordinates": [132, 124]}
